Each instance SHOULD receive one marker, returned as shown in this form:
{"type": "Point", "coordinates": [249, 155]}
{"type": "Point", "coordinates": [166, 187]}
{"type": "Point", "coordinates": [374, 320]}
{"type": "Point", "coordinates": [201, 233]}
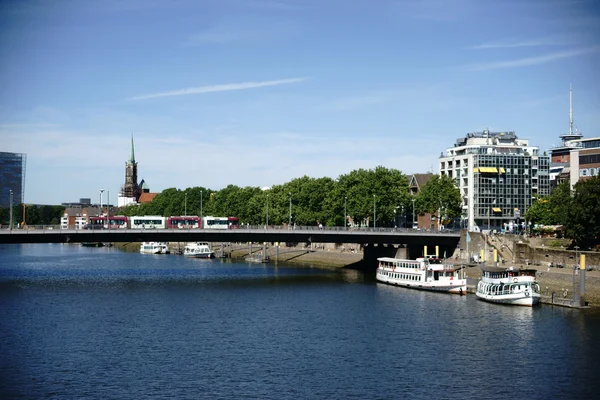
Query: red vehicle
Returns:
{"type": "Point", "coordinates": [114, 222]}
{"type": "Point", "coordinates": [185, 222]}
{"type": "Point", "coordinates": [234, 222]}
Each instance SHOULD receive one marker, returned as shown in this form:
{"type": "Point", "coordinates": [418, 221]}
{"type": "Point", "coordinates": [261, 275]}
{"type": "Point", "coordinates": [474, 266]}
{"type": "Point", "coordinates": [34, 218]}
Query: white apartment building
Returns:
{"type": "Point", "coordinates": [498, 174]}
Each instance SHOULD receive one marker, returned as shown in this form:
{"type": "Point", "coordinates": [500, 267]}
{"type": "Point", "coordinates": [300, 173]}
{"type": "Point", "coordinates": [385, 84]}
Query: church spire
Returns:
{"type": "Point", "coordinates": [132, 155]}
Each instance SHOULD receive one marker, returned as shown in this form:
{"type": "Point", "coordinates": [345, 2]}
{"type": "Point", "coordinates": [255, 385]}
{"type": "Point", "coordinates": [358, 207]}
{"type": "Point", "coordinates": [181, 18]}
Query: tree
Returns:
{"type": "Point", "coordinates": [440, 194]}
{"type": "Point", "coordinates": [388, 186]}
{"type": "Point", "coordinates": [560, 203]}
{"type": "Point", "coordinates": [541, 212]}
{"type": "Point", "coordinates": [584, 213]}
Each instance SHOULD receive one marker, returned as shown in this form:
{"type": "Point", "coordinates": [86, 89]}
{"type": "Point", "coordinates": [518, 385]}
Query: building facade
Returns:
{"type": "Point", "coordinates": [498, 175]}
{"type": "Point", "coordinates": [12, 178]}
{"type": "Point", "coordinates": [584, 160]}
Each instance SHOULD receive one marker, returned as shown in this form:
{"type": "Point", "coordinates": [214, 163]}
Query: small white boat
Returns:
{"type": "Point", "coordinates": [508, 286]}
{"type": "Point", "coordinates": [154, 248]}
{"type": "Point", "coordinates": [198, 250]}
{"type": "Point", "coordinates": [422, 273]}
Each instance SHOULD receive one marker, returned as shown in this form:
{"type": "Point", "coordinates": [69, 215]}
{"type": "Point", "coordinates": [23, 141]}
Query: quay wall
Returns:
{"type": "Point", "coordinates": [525, 253]}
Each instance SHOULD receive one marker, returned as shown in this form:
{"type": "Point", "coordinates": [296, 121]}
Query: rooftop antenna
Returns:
{"type": "Point", "coordinates": [570, 110]}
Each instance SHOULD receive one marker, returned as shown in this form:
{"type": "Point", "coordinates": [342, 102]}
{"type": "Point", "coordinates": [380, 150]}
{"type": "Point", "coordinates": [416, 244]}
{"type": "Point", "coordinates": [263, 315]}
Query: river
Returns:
{"type": "Point", "coordinates": [99, 323]}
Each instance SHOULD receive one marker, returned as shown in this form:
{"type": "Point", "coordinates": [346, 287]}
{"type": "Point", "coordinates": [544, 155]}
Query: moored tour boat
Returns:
{"type": "Point", "coordinates": [198, 250]}
{"type": "Point", "coordinates": [508, 286]}
{"type": "Point", "coordinates": [422, 273]}
{"type": "Point", "coordinates": [154, 248]}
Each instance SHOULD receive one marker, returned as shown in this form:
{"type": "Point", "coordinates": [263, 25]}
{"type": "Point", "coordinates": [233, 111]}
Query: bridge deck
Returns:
{"type": "Point", "coordinates": [358, 236]}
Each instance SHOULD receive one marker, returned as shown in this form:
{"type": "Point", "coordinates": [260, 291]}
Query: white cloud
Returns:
{"type": "Point", "coordinates": [218, 88]}
{"type": "Point", "coordinates": [525, 62]}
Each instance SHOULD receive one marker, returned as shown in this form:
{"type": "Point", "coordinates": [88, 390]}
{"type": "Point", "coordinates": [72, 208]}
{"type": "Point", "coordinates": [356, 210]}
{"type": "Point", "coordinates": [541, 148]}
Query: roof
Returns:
{"type": "Point", "coordinates": [146, 197]}
{"type": "Point", "coordinates": [419, 180]}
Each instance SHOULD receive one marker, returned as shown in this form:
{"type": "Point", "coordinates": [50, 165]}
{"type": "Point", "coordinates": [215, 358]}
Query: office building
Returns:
{"type": "Point", "coordinates": [12, 178]}
{"type": "Point", "coordinates": [498, 175]}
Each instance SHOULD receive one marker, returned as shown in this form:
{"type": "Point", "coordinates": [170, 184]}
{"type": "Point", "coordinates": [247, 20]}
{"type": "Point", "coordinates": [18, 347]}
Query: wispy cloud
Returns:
{"type": "Point", "coordinates": [526, 62]}
{"type": "Point", "coordinates": [243, 29]}
{"type": "Point", "coordinates": [549, 41]}
{"type": "Point", "coordinates": [218, 88]}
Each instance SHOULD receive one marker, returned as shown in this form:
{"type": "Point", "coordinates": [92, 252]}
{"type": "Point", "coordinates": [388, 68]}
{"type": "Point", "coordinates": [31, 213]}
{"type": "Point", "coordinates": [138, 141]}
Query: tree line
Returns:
{"type": "Point", "coordinates": [377, 196]}
{"type": "Point", "coordinates": [367, 196]}
{"type": "Point", "coordinates": [32, 214]}
{"type": "Point", "coordinates": [578, 211]}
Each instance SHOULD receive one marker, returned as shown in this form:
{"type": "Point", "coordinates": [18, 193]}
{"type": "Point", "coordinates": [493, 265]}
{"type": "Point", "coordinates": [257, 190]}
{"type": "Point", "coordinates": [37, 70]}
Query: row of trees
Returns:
{"type": "Point", "coordinates": [578, 211]}
{"type": "Point", "coordinates": [34, 215]}
{"type": "Point", "coordinates": [381, 194]}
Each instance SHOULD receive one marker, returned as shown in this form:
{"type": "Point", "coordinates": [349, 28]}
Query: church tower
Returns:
{"type": "Point", "coordinates": [130, 191]}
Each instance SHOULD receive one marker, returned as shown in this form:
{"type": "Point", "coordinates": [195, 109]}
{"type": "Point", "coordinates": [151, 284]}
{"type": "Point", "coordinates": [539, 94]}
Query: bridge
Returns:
{"type": "Point", "coordinates": [376, 242]}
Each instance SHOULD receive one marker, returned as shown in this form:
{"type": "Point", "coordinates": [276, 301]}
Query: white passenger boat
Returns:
{"type": "Point", "coordinates": [422, 273]}
{"type": "Point", "coordinates": [154, 248]}
{"type": "Point", "coordinates": [508, 286]}
{"type": "Point", "coordinates": [198, 250]}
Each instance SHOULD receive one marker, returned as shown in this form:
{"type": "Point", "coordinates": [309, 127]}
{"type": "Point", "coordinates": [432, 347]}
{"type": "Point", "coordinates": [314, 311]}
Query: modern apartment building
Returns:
{"type": "Point", "coordinates": [498, 174]}
{"type": "Point", "coordinates": [12, 178]}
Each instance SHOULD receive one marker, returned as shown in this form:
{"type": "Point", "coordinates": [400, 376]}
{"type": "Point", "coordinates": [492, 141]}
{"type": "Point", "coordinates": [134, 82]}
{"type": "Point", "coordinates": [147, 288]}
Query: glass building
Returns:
{"type": "Point", "coordinates": [12, 178]}
{"type": "Point", "coordinates": [498, 175]}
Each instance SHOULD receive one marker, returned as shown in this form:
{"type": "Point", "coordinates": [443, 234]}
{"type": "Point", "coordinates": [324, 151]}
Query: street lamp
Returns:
{"type": "Point", "coordinates": [185, 206]}
{"type": "Point", "coordinates": [201, 219]}
{"type": "Point", "coordinates": [290, 223]}
{"type": "Point", "coordinates": [107, 208]}
{"type": "Point", "coordinates": [413, 221]}
{"type": "Point", "coordinates": [374, 212]}
{"type": "Point", "coordinates": [345, 214]}
{"type": "Point", "coordinates": [10, 223]}
{"type": "Point", "coordinates": [100, 211]}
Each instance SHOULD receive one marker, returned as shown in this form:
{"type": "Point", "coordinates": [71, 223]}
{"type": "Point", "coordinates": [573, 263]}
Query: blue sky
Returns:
{"type": "Point", "coordinates": [258, 92]}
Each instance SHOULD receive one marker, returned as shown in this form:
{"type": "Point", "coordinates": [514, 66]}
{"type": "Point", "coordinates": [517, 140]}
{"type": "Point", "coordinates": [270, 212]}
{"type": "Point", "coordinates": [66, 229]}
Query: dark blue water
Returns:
{"type": "Point", "coordinates": [79, 323]}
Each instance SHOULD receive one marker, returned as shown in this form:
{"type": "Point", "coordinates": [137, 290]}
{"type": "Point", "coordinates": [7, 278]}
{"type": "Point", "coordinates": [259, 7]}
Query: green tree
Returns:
{"type": "Point", "coordinates": [584, 214]}
{"type": "Point", "coordinates": [541, 212]}
{"type": "Point", "coordinates": [560, 204]}
{"type": "Point", "coordinates": [440, 194]}
{"type": "Point", "coordinates": [377, 193]}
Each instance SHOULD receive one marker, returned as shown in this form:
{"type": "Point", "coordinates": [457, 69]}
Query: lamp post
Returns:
{"type": "Point", "coordinates": [290, 223]}
{"type": "Point", "coordinates": [100, 211]}
{"type": "Point", "coordinates": [201, 219]}
{"type": "Point", "coordinates": [345, 214]}
{"type": "Point", "coordinates": [413, 221]}
{"type": "Point", "coordinates": [185, 206]}
{"type": "Point", "coordinates": [10, 212]}
{"type": "Point", "coordinates": [374, 213]}
{"type": "Point", "coordinates": [107, 208]}
{"type": "Point", "coordinates": [267, 212]}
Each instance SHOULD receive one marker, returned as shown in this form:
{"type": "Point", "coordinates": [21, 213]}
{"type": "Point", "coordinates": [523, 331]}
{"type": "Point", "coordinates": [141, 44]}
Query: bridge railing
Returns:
{"type": "Point", "coordinates": [5, 229]}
